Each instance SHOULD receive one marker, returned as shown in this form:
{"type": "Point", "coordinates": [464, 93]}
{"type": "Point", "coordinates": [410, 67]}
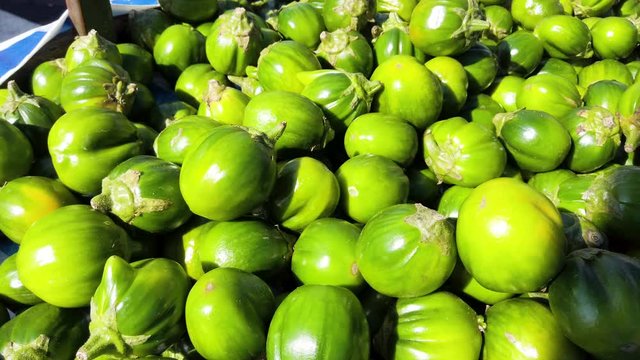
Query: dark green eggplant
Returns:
{"type": "Point", "coordinates": [564, 37]}
{"type": "Point", "coordinates": [581, 233]}
{"type": "Point", "coordinates": [137, 309]}
{"type": "Point", "coordinates": [234, 43]}
{"type": "Point", "coordinates": [537, 141]}
{"type": "Point", "coordinates": [34, 115]}
{"type": "Point", "coordinates": [342, 96]}
{"type": "Point", "coordinates": [91, 46]}
{"type": "Point", "coordinates": [595, 133]}
{"type": "Point", "coordinates": [56, 246]}
{"type": "Point", "coordinates": [137, 61]}
{"type": "Point", "coordinates": [145, 26]}
{"type": "Point", "coordinates": [194, 11]}
{"type": "Point", "coordinates": [423, 186]}
{"type": "Point", "coordinates": [44, 332]}
{"type": "Point", "coordinates": [346, 50]}
{"type": "Point", "coordinates": [481, 66]}
{"type": "Point", "coordinates": [144, 104]}
{"type": "Point", "coordinates": [144, 191]}
{"type": "Point", "coordinates": [392, 38]}
{"type": "Point", "coordinates": [147, 135]}
{"type": "Point", "coordinates": [84, 152]}
{"type": "Point", "coordinates": [11, 288]}
{"type": "Point", "coordinates": [593, 300]}
{"type": "Point", "coordinates": [16, 152]}
{"type": "Point", "coordinates": [519, 53]}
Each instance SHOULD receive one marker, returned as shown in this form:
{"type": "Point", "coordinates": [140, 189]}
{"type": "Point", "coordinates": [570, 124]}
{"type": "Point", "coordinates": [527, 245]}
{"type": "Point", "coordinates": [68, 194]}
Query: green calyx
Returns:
{"type": "Point", "coordinates": [472, 23]}
{"type": "Point", "coordinates": [601, 123]}
{"type": "Point", "coordinates": [433, 227]}
{"type": "Point", "coordinates": [359, 11]}
{"type": "Point", "coordinates": [395, 22]}
{"type": "Point", "coordinates": [334, 44]}
{"type": "Point", "coordinates": [15, 99]}
{"type": "Point", "coordinates": [120, 93]}
{"type": "Point", "coordinates": [502, 118]}
{"type": "Point", "coordinates": [121, 196]}
{"type": "Point", "coordinates": [214, 92]}
{"type": "Point", "coordinates": [37, 349]}
{"type": "Point", "coordinates": [364, 89]}
{"type": "Point", "coordinates": [105, 337]}
{"type": "Point", "coordinates": [442, 158]}
{"type": "Point", "coordinates": [240, 27]}
{"type": "Point", "coordinates": [630, 126]}
{"type": "Point", "coordinates": [92, 43]}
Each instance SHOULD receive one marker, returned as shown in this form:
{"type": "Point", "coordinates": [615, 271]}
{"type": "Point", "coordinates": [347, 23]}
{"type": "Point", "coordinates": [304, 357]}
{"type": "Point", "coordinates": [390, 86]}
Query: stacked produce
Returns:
{"type": "Point", "coordinates": [337, 179]}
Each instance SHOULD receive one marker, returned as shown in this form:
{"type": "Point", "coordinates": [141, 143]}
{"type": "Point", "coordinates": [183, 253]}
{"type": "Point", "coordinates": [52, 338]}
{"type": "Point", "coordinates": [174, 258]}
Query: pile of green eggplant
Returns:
{"type": "Point", "coordinates": [328, 179]}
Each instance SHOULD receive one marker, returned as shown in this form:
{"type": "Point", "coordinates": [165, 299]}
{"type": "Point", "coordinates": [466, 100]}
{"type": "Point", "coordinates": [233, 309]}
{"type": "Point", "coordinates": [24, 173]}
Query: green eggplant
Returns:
{"type": "Point", "coordinates": [481, 66]}
{"type": "Point", "coordinates": [192, 84]}
{"type": "Point", "coordinates": [181, 136]}
{"type": "Point", "coordinates": [614, 37]}
{"type": "Point", "coordinates": [98, 84]}
{"type": "Point", "coordinates": [26, 199]}
{"type": "Point", "coordinates": [137, 62]}
{"type": "Point", "coordinates": [452, 199]}
{"type": "Point", "coordinates": [145, 26]}
{"type": "Point", "coordinates": [384, 135]}
{"type": "Point", "coordinates": [144, 103]}
{"type": "Point", "coordinates": [559, 67]}
{"type": "Point", "coordinates": [181, 245]}
{"type": "Point", "coordinates": [11, 288]}
{"type": "Point", "coordinates": [325, 254]}
{"type": "Point", "coordinates": [406, 250]}
{"type": "Point", "coordinates": [46, 80]}
{"type": "Point", "coordinates": [528, 14]}
{"type": "Point", "coordinates": [16, 152]}
{"type": "Point", "coordinates": [228, 313]}
{"type": "Point", "coordinates": [375, 306]}
{"type": "Point", "coordinates": [459, 25]}
{"type": "Point", "coordinates": [409, 91]}
{"type": "Point", "coordinates": [521, 329]}
{"type": "Point", "coordinates": [480, 109]}
{"type": "Point", "coordinates": [423, 186]}
{"type": "Point", "coordinates": [461, 282]}
{"type": "Point", "coordinates": [519, 53]}
{"type": "Point", "coordinates": [454, 82]}
{"type": "Point", "coordinates": [318, 322]}
{"type": "Point", "coordinates": [550, 93]}
{"type": "Point", "coordinates": [147, 135]}
{"type": "Point", "coordinates": [347, 14]}
{"type": "Point", "coordinates": [504, 91]}
{"type": "Point", "coordinates": [33, 115]}
{"type": "Point", "coordinates": [301, 22]}
{"type": "Point", "coordinates": [393, 39]}
{"type": "Point", "coordinates": [60, 243]}
{"type": "Point", "coordinates": [44, 332]}
{"type": "Point", "coordinates": [178, 47]}
{"type": "Point", "coordinates": [223, 104]}
{"type": "Point", "coordinates": [346, 50]}
{"type": "Point", "coordinates": [421, 327]}
{"type": "Point", "coordinates": [595, 133]}
{"type": "Point", "coordinates": [500, 22]}
{"type": "Point", "coordinates": [360, 198]}
{"type": "Point", "coordinates": [605, 94]}
{"type": "Point", "coordinates": [305, 126]}
{"type": "Point", "coordinates": [171, 111]}
{"type": "Point", "coordinates": [249, 245]}
{"type": "Point", "coordinates": [463, 153]}
{"type": "Point", "coordinates": [342, 96]}
{"type": "Point", "coordinates": [548, 183]}
{"type": "Point", "coordinates": [536, 140]}
{"type": "Point", "coordinates": [229, 174]}
{"type": "Point", "coordinates": [305, 190]}
{"type": "Point", "coordinates": [194, 11]}
{"type": "Point", "coordinates": [248, 85]}
{"type": "Point", "coordinates": [593, 302]}
{"type": "Point", "coordinates": [91, 46]}
{"type": "Point", "coordinates": [608, 69]}
{"type": "Point", "coordinates": [564, 37]}
{"type": "Point", "coordinates": [279, 64]}
{"type": "Point", "coordinates": [581, 233]}
{"type": "Point", "coordinates": [84, 152]}
{"type": "Point", "coordinates": [606, 198]}
{"type": "Point", "coordinates": [234, 43]}
{"type": "Point", "coordinates": [137, 309]}
{"type": "Point", "coordinates": [592, 8]}
{"type": "Point", "coordinates": [634, 67]}
{"type": "Point", "coordinates": [144, 191]}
